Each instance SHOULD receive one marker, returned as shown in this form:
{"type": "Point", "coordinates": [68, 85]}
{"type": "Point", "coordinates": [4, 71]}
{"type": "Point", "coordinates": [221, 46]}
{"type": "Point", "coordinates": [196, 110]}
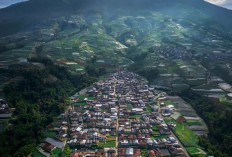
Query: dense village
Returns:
{"type": "Point", "coordinates": [99, 80]}
{"type": "Point", "coordinates": [119, 116]}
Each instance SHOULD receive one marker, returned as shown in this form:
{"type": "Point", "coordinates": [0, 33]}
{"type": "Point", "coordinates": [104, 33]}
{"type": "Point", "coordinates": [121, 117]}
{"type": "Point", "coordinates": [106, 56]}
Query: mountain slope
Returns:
{"type": "Point", "coordinates": [179, 41]}
{"type": "Point", "coordinates": [24, 15]}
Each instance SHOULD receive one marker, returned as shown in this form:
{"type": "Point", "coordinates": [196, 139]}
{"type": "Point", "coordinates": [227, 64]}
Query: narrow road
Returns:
{"type": "Point", "coordinates": [185, 151]}
{"type": "Point", "coordinates": [116, 152]}
{"type": "Point", "coordinates": [117, 124]}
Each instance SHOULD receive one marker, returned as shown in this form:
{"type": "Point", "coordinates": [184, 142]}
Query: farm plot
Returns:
{"type": "Point", "coordinates": [210, 90]}
{"type": "Point", "coordinates": [194, 73]}
{"type": "Point", "coordinates": [193, 151]}
{"type": "Point", "coordinates": [186, 135]}
{"type": "Point", "coordinates": [192, 120]}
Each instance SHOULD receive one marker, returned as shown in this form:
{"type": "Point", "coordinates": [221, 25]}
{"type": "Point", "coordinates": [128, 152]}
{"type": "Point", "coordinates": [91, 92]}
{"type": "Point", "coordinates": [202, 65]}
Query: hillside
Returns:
{"type": "Point", "coordinates": [50, 49]}
{"type": "Point", "coordinates": [24, 15]}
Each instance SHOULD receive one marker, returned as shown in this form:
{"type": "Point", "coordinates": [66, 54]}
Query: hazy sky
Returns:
{"type": "Point", "coordinates": [223, 3]}
{"type": "Point", "coordinates": [5, 3]}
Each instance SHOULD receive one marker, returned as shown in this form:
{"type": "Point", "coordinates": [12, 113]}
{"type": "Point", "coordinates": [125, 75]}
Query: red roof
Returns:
{"type": "Point", "coordinates": [48, 147]}
{"type": "Point", "coordinates": [75, 154]}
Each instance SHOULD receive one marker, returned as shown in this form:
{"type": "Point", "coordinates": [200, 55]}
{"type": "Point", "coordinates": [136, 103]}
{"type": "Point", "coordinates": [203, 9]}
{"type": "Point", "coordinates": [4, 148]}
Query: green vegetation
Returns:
{"type": "Point", "coordinates": [37, 154]}
{"type": "Point", "coordinates": [66, 152]}
{"type": "Point", "coordinates": [101, 144]}
{"type": "Point", "coordinates": [82, 97]}
{"type": "Point", "coordinates": [27, 149]}
{"type": "Point", "coordinates": [137, 116]}
{"type": "Point", "coordinates": [127, 132]}
{"type": "Point", "coordinates": [193, 150]}
{"type": "Point", "coordinates": [169, 102]}
{"type": "Point", "coordinates": [57, 151]}
{"type": "Point", "coordinates": [218, 118]}
{"type": "Point", "coordinates": [149, 73]}
{"type": "Point", "coordinates": [186, 136]}
{"type": "Point", "coordinates": [144, 152]}
{"type": "Point", "coordinates": [155, 133]}
{"type": "Point", "coordinates": [54, 124]}
{"type": "Point", "coordinates": [149, 109]}
{"type": "Point", "coordinates": [79, 104]}
{"type": "Point", "coordinates": [110, 144]}
{"type": "Point", "coordinates": [107, 144]}
{"type": "Point", "coordinates": [154, 127]}
{"type": "Point", "coordinates": [159, 137]}
{"type": "Point", "coordinates": [93, 69]}
{"type": "Point", "coordinates": [49, 134]}
{"type": "Point", "coordinates": [192, 122]}
{"type": "Point", "coordinates": [223, 100]}
{"type": "Point", "coordinates": [148, 41]}
{"type": "Point", "coordinates": [37, 102]}
{"type": "Point", "coordinates": [129, 106]}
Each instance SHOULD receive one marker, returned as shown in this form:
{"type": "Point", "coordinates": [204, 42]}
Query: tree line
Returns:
{"type": "Point", "coordinates": [37, 101]}
{"type": "Point", "coordinates": [218, 117]}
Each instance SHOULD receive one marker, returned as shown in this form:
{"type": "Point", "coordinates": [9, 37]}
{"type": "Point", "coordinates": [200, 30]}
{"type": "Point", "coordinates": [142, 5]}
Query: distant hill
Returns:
{"type": "Point", "coordinates": [25, 15]}
{"type": "Point", "coordinates": [9, 2]}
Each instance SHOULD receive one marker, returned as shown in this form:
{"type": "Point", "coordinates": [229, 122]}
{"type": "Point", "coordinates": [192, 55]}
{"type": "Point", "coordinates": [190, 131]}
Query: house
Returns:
{"type": "Point", "coordinates": [151, 154]}
{"type": "Point", "coordinates": [56, 143]}
{"type": "Point", "coordinates": [176, 151]}
{"type": "Point", "coordinates": [150, 142]}
{"type": "Point", "coordinates": [110, 152]}
{"type": "Point", "coordinates": [137, 110]}
{"type": "Point", "coordinates": [165, 153]}
{"type": "Point", "coordinates": [48, 147]}
{"type": "Point", "coordinates": [171, 125]}
{"type": "Point", "coordinates": [181, 120]}
{"type": "Point", "coordinates": [172, 139]}
{"type": "Point", "coordinates": [75, 153]}
{"type": "Point", "coordinates": [113, 110]}
{"type": "Point", "coordinates": [163, 130]}
{"type": "Point", "coordinates": [129, 152]}
{"type": "Point", "coordinates": [154, 153]}
{"type": "Point", "coordinates": [124, 142]}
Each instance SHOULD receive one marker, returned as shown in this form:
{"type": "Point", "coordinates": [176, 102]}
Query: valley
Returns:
{"type": "Point", "coordinates": [115, 79]}
{"type": "Point", "coordinates": [122, 116]}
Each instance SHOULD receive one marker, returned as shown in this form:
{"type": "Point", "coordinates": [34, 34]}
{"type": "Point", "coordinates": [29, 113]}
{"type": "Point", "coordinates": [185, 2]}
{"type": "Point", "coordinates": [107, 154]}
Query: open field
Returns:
{"type": "Point", "coordinates": [186, 136]}
{"type": "Point", "coordinates": [110, 144]}
{"type": "Point", "coordinates": [195, 151]}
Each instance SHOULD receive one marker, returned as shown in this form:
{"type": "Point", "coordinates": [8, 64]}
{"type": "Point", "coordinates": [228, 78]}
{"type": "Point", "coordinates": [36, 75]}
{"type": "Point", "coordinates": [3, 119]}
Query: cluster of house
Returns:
{"type": "Point", "coordinates": [4, 108]}
{"type": "Point", "coordinates": [85, 152]}
{"type": "Point", "coordinates": [5, 114]}
{"type": "Point", "coordinates": [119, 114]}
{"type": "Point", "coordinates": [57, 139]}
{"type": "Point", "coordinates": [135, 152]}
{"type": "Point", "coordinates": [49, 145]}
{"type": "Point", "coordinates": [172, 52]}
{"type": "Point", "coordinates": [166, 110]}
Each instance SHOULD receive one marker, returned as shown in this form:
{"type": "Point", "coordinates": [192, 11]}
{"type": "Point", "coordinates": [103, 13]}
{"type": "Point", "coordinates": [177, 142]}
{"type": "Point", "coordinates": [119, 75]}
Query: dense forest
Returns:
{"type": "Point", "coordinates": [37, 99]}
{"type": "Point", "coordinates": [140, 66]}
{"type": "Point", "coordinates": [93, 69]}
{"type": "Point", "coordinates": [149, 73]}
{"type": "Point", "coordinates": [218, 117]}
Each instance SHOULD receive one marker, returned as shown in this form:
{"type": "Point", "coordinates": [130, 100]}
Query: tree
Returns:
{"type": "Point", "coordinates": [36, 103]}
{"type": "Point", "coordinates": [25, 150]}
{"type": "Point", "coordinates": [67, 151]}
